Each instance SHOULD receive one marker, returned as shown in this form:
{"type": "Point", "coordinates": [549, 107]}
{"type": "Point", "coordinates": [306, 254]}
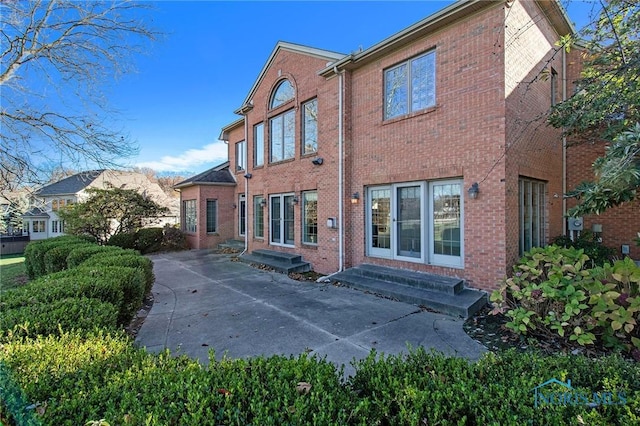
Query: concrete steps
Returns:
{"type": "Point", "coordinates": [281, 262]}
{"type": "Point", "coordinates": [440, 293]}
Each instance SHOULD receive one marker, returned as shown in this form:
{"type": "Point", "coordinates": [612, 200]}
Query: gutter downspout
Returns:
{"type": "Point", "coordinates": [564, 146]}
{"type": "Point", "coordinates": [246, 189]}
{"type": "Point", "coordinates": [340, 171]}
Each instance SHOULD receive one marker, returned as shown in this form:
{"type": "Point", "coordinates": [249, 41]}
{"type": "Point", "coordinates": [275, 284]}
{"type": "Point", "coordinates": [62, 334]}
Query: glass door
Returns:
{"type": "Point", "coordinates": [408, 222]}
{"type": "Point", "coordinates": [446, 223]}
{"type": "Point", "coordinates": [379, 228]}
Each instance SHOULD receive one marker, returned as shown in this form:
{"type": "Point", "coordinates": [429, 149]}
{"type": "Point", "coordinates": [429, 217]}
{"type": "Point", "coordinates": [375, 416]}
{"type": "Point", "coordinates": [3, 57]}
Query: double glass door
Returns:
{"type": "Point", "coordinates": [418, 222]}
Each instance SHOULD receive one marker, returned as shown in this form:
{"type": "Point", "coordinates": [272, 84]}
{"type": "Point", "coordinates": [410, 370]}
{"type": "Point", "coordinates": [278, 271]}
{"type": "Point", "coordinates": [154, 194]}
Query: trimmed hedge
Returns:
{"type": "Point", "coordinates": [128, 259]}
{"type": "Point", "coordinates": [35, 251]}
{"type": "Point", "coordinates": [125, 240]}
{"type": "Point", "coordinates": [149, 240]}
{"type": "Point", "coordinates": [55, 259]}
{"type": "Point", "coordinates": [79, 255]}
{"type": "Point", "coordinates": [73, 313]}
{"type": "Point", "coordinates": [103, 376]}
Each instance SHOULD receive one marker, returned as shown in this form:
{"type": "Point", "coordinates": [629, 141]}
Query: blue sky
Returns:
{"type": "Point", "coordinates": [189, 84]}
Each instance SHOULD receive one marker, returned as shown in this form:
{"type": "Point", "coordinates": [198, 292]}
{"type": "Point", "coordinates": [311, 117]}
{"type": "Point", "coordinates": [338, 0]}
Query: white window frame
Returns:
{"type": "Point", "coordinates": [190, 216]}
{"type": "Point", "coordinates": [285, 151]}
{"type": "Point", "coordinates": [258, 145]}
{"type": "Point", "coordinates": [408, 86]}
{"type": "Point", "coordinates": [309, 115]}
{"type": "Point", "coordinates": [311, 239]}
{"type": "Point", "coordinates": [241, 156]}
{"type": "Point", "coordinates": [281, 219]}
{"type": "Point", "coordinates": [532, 216]}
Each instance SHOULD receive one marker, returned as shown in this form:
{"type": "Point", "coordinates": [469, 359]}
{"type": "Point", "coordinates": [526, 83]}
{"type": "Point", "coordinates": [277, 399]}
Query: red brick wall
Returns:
{"type": "Point", "coordinates": [201, 193]}
{"type": "Point", "coordinates": [298, 174]}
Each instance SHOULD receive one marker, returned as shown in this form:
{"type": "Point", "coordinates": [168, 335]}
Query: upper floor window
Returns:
{"type": "Point", "coordinates": [282, 137]}
{"type": "Point", "coordinates": [310, 127]}
{"type": "Point", "coordinates": [258, 145]}
{"type": "Point", "coordinates": [282, 94]}
{"type": "Point", "coordinates": [554, 87]}
{"type": "Point", "coordinates": [410, 86]}
{"type": "Point", "coordinates": [241, 155]}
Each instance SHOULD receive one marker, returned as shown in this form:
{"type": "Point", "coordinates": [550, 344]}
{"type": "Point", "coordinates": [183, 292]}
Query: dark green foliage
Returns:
{"type": "Point", "coordinates": [149, 240]}
{"type": "Point", "coordinates": [79, 255]}
{"type": "Point", "coordinates": [124, 259]}
{"type": "Point", "coordinates": [125, 240]}
{"type": "Point", "coordinates": [174, 239]}
{"type": "Point", "coordinates": [56, 259]}
{"type": "Point", "coordinates": [73, 313]}
{"type": "Point", "coordinates": [35, 251]}
{"type": "Point", "coordinates": [598, 253]}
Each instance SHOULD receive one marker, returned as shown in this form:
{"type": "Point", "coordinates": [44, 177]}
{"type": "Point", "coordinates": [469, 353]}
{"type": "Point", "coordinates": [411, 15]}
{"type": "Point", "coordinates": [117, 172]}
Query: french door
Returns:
{"type": "Point", "coordinates": [416, 222]}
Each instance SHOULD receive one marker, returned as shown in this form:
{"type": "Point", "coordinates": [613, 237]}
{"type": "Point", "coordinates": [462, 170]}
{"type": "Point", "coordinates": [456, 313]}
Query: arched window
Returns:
{"type": "Point", "coordinates": [283, 93]}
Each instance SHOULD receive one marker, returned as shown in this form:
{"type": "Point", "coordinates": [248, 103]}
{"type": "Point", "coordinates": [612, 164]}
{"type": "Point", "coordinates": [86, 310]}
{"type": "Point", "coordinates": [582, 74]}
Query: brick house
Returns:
{"type": "Point", "coordinates": [426, 152]}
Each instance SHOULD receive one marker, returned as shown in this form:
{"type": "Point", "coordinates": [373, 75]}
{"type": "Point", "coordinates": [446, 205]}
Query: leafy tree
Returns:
{"type": "Point", "coordinates": [110, 211]}
{"type": "Point", "coordinates": [56, 56]}
{"type": "Point", "coordinates": [606, 105]}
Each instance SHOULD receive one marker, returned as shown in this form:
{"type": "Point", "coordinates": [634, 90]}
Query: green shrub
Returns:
{"type": "Point", "coordinates": [35, 252]}
{"type": "Point", "coordinates": [125, 240]}
{"type": "Point", "coordinates": [149, 240]}
{"type": "Point", "coordinates": [79, 255]}
{"type": "Point", "coordinates": [174, 239]}
{"type": "Point", "coordinates": [55, 259]}
{"type": "Point", "coordinates": [66, 314]}
{"type": "Point", "coordinates": [552, 294]}
{"type": "Point", "coordinates": [598, 253]}
{"type": "Point", "coordinates": [128, 260]}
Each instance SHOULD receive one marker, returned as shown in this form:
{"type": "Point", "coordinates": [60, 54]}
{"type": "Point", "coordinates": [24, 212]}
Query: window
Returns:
{"type": "Point", "coordinates": [532, 213]}
{"type": "Point", "coordinates": [189, 216]}
{"type": "Point", "coordinates": [39, 226]}
{"type": "Point", "coordinates": [410, 86]}
{"type": "Point", "coordinates": [282, 217]}
{"type": "Point", "coordinates": [258, 216]}
{"type": "Point", "coordinates": [54, 205]}
{"type": "Point", "coordinates": [258, 145]}
{"type": "Point", "coordinates": [310, 217]}
{"type": "Point", "coordinates": [241, 155]}
{"type": "Point", "coordinates": [282, 136]}
{"type": "Point", "coordinates": [282, 94]}
{"type": "Point", "coordinates": [54, 226]}
{"type": "Point", "coordinates": [310, 127]}
{"type": "Point", "coordinates": [212, 216]}
{"type": "Point", "coordinates": [242, 218]}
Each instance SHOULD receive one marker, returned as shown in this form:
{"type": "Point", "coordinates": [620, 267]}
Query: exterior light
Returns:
{"type": "Point", "coordinates": [355, 198]}
{"type": "Point", "coordinates": [263, 202]}
{"type": "Point", "coordinates": [294, 200]}
{"type": "Point", "coordinates": [474, 190]}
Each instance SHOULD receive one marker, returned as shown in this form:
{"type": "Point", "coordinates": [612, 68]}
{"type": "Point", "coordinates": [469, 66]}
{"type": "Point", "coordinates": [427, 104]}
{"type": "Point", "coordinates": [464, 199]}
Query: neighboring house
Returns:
{"type": "Point", "coordinates": [427, 151]}
{"type": "Point", "coordinates": [42, 220]}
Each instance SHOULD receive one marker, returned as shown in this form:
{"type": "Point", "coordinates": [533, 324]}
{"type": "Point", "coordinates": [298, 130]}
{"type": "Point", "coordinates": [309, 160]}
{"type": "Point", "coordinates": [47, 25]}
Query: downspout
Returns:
{"type": "Point", "coordinates": [246, 187]}
{"type": "Point", "coordinates": [564, 146]}
{"type": "Point", "coordinates": [340, 171]}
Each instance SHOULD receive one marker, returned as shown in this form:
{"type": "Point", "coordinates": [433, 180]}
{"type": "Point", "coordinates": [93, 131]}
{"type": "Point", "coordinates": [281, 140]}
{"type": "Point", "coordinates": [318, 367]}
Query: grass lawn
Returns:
{"type": "Point", "coordinates": [12, 272]}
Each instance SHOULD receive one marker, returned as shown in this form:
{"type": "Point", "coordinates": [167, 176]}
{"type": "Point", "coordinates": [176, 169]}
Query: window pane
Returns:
{"type": "Point", "coordinates": [395, 91]}
{"type": "Point", "coordinates": [310, 123]}
{"type": "Point", "coordinates": [242, 221]}
{"type": "Point", "coordinates": [446, 219]}
{"type": "Point", "coordinates": [258, 145]}
{"type": "Point", "coordinates": [288, 220]}
{"type": "Point", "coordinates": [275, 216]}
{"type": "Point", "coordinates": [276, 137]}
{"type": "Point", "coordinates": [241, 156]}
{"type": "Point", "coordinates": [409, 221]}
{"type": "Point", "coordinates": [310, 217]}
{"type": "Point", "coordinates": [212, 214]}
{"type": "Point", "coordinates": [532, 214]}
{"type": "Point", "coordinates": [381, 218]}
{"type": "Point", "coordinates": [423, 93]}
{"type": "Point", "coordinates": [258, 217]}
{"type": "Point", "coordinates": [289, 135]}
{"type": "Point", "coordinates": [189, 215]}
{"type": "Point", "coordinates": [282, 94]}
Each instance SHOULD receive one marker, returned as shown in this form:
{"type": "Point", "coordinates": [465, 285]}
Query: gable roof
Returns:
{"type": "Point", "coordinates": [36, 212]}
{"type": "Point", "coordinates": [70, 185]}
{"type": "Point", "coordinates": [290, 47]}
{"type": "Point", "coordinates": [218, 175]}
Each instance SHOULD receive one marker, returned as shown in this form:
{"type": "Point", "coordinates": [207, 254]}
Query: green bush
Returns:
{"type": "Point", "coordinates": [125, 240]}
{"type": "Point", "coordinates": [553, 294]}
{"type": "Point", "coordinates": [149, 240]}
{"type": "Point", "coordinates": [35, 252]}
{"type": "Point", "coordinates": [128, 260]}
{"type": "Point", "coordinates": [79, 255]}
{"type": "Point", "coordinates": [55, 259]}
{"type": "Point", "coordinates": [72, 313]}
{"type": "Point", "coordinates": [174, 239]}
{"type": "Point", "coordinates": [598, 253]}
